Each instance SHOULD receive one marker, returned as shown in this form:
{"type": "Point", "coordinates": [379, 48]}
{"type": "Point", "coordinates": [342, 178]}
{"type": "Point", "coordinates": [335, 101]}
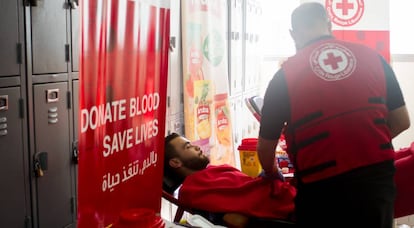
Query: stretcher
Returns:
{"type": "Point", "coordinates": [217, 218]}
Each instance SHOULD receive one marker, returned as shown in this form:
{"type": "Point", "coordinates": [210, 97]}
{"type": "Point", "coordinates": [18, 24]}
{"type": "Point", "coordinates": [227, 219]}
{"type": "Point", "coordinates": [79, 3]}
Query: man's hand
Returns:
{"type": "Point", "coordinates": [275, 174]}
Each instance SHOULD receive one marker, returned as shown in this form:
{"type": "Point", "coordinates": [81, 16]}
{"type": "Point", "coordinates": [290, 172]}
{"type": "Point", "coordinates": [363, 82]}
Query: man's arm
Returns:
{"type": "Point", "coordinates": [398, 121]}
{"type": "Point", "coordinates": [275, 112]}
{"type": "Point", "coordinates": [398, 118]}
{"type": "Point", "coordinates": [266, 151]}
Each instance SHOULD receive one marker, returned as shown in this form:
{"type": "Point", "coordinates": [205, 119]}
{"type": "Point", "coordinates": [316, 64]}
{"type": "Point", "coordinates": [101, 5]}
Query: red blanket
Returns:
{"type": "Point", "coordinates": [404, 180]}
{"type": "Point", "coordinates": [225, 189]}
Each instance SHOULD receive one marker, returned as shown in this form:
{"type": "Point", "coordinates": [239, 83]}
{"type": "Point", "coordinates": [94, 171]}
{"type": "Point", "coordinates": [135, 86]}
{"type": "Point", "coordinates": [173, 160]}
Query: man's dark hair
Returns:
{"type": "Point", "coordinates": [308, 15]}
{"type": "Point", "coordinates": [171, 179]}
{"type": "Point", "coordinates": [170, 151]}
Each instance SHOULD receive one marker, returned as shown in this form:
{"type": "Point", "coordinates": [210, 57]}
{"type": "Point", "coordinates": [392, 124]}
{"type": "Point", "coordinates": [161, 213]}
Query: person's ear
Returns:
{"type": "Point", "coordinates": [294, 35]}
{"type": "Point", "coordinates": [175, 163]}
{"type": "Point", "coordinates": [330, 26]}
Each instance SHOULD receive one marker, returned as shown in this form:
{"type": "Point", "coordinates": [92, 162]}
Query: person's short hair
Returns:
{"type": "Point", "coordinates": [308, 15]}
{"type": "Point", "coordinates": [170, 151]}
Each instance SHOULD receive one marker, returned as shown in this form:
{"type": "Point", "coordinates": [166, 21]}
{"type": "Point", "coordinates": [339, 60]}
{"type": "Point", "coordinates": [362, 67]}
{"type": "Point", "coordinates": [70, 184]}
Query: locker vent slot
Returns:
{"type": "Point", "coordinates": [3, 126]}
{"type": "Point", "coordinates": [52, 115]}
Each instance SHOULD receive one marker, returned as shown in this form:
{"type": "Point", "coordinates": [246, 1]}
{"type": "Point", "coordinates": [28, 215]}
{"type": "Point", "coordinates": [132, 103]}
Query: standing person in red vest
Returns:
{"type": "Point", "coordinates": [342, 105]}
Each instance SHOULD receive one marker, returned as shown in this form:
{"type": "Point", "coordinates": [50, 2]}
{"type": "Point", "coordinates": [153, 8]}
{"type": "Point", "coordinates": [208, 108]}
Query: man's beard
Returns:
{"type": "Point", "coordinates": [196, 163]}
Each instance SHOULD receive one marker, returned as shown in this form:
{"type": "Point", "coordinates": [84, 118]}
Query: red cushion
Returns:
{"type": "Point", "coordinates": [404, 180]}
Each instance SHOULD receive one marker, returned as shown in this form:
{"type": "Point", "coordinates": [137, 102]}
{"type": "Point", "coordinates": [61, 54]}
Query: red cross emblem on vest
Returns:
{"type": "Point", "coordinates": [332, 62]}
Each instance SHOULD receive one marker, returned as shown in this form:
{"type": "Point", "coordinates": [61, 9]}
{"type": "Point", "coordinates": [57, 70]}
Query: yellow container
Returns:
{"type": "Point", "coordinates": [249, 160]}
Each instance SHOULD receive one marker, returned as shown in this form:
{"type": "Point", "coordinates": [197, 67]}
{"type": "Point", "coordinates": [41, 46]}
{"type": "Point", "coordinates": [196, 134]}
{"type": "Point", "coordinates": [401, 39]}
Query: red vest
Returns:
{"type": "Point", "coordinates": [337, 94]}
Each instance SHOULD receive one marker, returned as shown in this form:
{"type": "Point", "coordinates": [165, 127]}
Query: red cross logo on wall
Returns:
{"type": "Point", "coordinates": [332, 62]}
{"type": "Point", "coordinates": [345, 12]}
{"type": "Point", "coordinates": [344, 6]}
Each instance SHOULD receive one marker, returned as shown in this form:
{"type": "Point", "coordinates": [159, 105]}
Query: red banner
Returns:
{"type": "Point", "coordinates": [123, 84]}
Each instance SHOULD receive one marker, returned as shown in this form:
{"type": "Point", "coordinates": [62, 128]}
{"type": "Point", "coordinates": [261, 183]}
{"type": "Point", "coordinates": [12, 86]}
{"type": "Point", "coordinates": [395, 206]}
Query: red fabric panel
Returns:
{"type": "Point", "coordinates": [404, 179]}
{"type": "Point", "coordinates": [226, 189]}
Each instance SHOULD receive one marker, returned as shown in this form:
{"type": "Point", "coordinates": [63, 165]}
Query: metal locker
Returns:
{"type": "Point", "coordinates": [235, 127]}
{"type": "Point", "coordinates": [175, 80]}
{"type": "Point", "coordinates": [236, 47]}
{"type": "Point", "coordinates": [75, 92]}
{"type": "Point", "coordinates": [75, 31]}
{"type": "Point", "coordinates": [52, 159]}
{"type": "Point", "coordinates": [9, 38]}
{"type": "Point", "coordinates": [251, 39]}
{"type": "Point", "coordinates": [12, 175]}
{"type": "Point", "coordinates": [50, 49]}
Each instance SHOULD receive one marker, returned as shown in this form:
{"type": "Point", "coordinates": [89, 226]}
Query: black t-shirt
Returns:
{"type": "Point", "coordinates": [276, 106]}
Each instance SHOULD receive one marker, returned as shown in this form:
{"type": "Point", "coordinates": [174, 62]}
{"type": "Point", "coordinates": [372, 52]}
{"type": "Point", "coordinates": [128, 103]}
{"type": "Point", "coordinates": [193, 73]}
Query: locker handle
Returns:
{"type": "Point", "coordinates": [34, 2]}
{"type": "Point", "coordinates": [52, 95]}
{"type": "Point", "coordinates": [4, 102]}
{"type": "Point", "coordinates": [73, 4]}
{"type": "Point", "coordinates": [75, 152]}
{"type": "Point", "coordinates": [40, 163]}
{"type": "Point", "coordinates": [172, 43]}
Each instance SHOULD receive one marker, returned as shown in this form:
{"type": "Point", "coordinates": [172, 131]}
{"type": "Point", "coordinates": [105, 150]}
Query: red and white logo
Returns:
{"type": "Point", "coordinates": [345, 12]}
{"type": "Point", "coordinates": [332, 62]}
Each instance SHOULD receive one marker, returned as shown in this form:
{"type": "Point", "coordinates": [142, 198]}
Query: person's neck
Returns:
{"type": "Point", "coordinates": [184, 172]}
{"type": "Point", "coordinates": [315, 37]}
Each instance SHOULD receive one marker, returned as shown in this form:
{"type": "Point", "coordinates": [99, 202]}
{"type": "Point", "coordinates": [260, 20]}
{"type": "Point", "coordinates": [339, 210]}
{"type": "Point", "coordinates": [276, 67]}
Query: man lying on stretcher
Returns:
{"type": "Point", "coordinates": [224, 189]}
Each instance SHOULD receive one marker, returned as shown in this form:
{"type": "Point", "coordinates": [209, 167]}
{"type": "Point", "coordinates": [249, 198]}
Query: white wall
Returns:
{"type": "Point", "coordinates": [404, 71]}
{"type": "Point", "coordinates": [402, 50]}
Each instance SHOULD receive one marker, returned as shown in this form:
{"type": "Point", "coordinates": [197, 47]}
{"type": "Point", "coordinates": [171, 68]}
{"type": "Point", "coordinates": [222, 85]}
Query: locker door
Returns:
{"type": "Point", "coordinates": [75, 17]}
{"type": "Point", "coordinates": [175, 78]}
{"type": "Point", "coordinates": [236, 47]}
{"type": "Point", "coordinates": [75, 85]}
{"type": "Point", "coordinates": [9, 38]}
{"type": "Point", "coordinates": [12, 187]}
{"type": "Point", "coordinates": [52, 151]}
{"type": "Point", "coordinates": [75, 90]}
{"type": "Point", "coordinates": [49, 50]}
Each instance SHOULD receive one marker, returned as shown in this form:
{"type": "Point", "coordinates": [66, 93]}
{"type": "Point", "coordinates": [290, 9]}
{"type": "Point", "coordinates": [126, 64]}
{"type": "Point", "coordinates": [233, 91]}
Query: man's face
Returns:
{"type": "Point", "coordinates": [190, 155]}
